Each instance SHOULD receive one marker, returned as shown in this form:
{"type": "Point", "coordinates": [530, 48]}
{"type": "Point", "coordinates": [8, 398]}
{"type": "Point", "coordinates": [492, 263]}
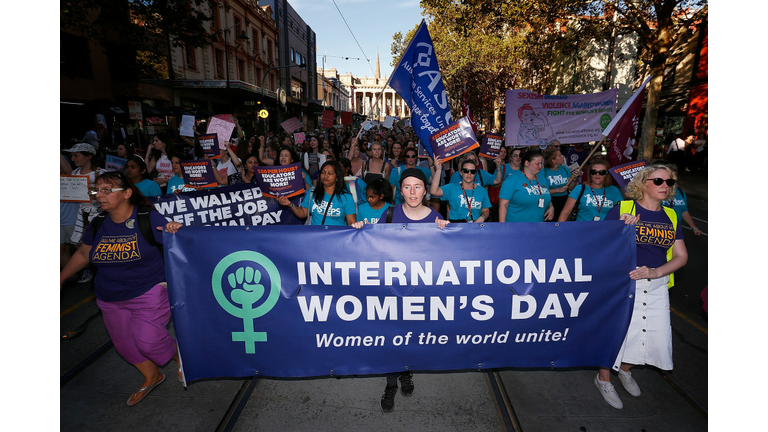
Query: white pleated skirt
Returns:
{"type": "Point", "coordinates": [649, 338]}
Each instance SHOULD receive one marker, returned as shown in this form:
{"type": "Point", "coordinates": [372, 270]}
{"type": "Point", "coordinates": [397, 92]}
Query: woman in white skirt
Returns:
{"type": "Point", "coordinates": [660, 251]}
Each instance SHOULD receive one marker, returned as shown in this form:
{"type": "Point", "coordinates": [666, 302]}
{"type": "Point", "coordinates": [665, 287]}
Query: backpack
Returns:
{"type": "Point", "coordinates": [145, 225]}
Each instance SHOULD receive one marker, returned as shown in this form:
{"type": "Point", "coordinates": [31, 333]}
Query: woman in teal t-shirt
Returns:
{"type": "Point", "coordinates": [524, 195]}
{"type": "Point", "coordinates": [328, 203]}
{"type": "Point", "coordinates": [595, 197]}
{"type": "Point", "coordinates": [557, 174]}
{"type": "Point", "coordinates": [379, 195]}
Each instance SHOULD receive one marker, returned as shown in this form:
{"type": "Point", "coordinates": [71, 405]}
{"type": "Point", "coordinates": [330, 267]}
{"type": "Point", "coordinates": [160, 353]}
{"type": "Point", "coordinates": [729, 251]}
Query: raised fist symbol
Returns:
{"type": "Point", "coordinates": [251, 290]}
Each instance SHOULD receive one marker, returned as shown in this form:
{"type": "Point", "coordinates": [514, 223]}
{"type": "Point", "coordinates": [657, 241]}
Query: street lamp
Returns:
{"type": "Point", "coordinates": [242, 37]}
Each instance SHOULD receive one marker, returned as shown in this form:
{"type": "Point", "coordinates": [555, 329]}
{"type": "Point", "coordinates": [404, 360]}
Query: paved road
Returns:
{"type": "Point", "coordinates": [512, 399]}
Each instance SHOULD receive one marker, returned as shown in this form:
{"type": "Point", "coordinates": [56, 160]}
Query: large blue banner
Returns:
{"type": "Point", "coordinates": [303, 301]}
{"type": "Point", "coordinates": [417, 79]}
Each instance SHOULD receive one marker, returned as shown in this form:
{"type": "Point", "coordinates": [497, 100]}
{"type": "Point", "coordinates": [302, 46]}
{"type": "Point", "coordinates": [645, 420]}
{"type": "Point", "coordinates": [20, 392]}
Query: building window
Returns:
{"type": "Point", "coordinates": [219, 62]}
{"type": "Point", "coordinates": [216, 16]}
{"type": "Point", "coordinates": [256, 45]}
{"type": "Point", "coordinates": [293, 55]}
{"type": "Point", "coordinates": [241, 70]}
{"type": "Point", "coordinates": [190, 57]}
{"type": "Point", "coordinates": [270, 54]}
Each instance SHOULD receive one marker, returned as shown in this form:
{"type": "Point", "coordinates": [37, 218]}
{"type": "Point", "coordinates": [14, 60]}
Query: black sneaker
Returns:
{"type": "Point", "coordinates": [406, 383]}
{"type": "Point", "coordinates": [388, 399]}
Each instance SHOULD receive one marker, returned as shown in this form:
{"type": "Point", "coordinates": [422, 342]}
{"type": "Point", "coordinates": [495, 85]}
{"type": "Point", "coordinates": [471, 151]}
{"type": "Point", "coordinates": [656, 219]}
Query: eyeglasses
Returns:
{"type": "Point", "coordinates": [105, 191]}
{"type": "Point", "coordinates": [601, 172]}
{"type": "Point", "coordinates": [410, 156]}
{"type": "Point", "coordinates": [468, 171]}
{"type": "Point", "coordinates": [658, 181]}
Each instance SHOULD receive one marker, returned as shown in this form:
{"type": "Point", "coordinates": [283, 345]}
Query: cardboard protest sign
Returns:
{"type": "Point", "coordinates": [454, 140]}
{"type": "Point", "coordinates": [389, 121]}
{"type": "Point", "coordinates": [74, 189]}
{"type": "Point", "coordinates": [291, 124]}
{"type": "Point", "coordinates": [491, 145]}
{"type": "Point", "coordinates": [134, 110]}
{"type": "Point", "coordinates": [198, 174]}
{"type": "Point", "coordinates": [115, 163]}
{"type": "Point", "coordinates": [210, 145]}
{"type": "Point", "coordinates": [328, 118]}
{"type": "Point", "coordinates": [277, 181]}
{"type": "Point", "coordinates": [299, 137]}
{"type": "Point", "coordinates": [187, 128]}
{"type": "Point", "coordinates": [623, 174]}
{"type": "Point", "coordinates": [223, 129]}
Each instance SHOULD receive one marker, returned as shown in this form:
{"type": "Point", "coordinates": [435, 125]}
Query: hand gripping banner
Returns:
{"type": "Point", "coordinates": [300, 301]}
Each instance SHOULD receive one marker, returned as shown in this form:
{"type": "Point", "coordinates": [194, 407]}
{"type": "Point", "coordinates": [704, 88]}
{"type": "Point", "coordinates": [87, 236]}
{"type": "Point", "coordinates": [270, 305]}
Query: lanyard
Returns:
{"type": "Point", "coordinates": [601, 203]}
{"type": "Point", "coordinates": [537, 185]}
{"type": "Point", "coordinates": [469, 203]}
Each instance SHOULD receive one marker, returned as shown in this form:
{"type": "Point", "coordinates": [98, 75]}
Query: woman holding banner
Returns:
{"type": "Point", "coordinates": [524, 195]}
{"type": "Point", "coordinates": [466, 201]}
{"type": "Point", "coordinates": [558, 175]}
{"type": "Point", "coordinates": [289, 156]}
{"type": "Point", "coordinates": [594, 198]}
{"type": "Point", "coordinates": [329, 202]}
{"type": "Point", "coordinates": [660, 251]}
{"type": "Point", "coordinates": [413, 188]}
{"type": "Point", "coordinates": [131, 293]}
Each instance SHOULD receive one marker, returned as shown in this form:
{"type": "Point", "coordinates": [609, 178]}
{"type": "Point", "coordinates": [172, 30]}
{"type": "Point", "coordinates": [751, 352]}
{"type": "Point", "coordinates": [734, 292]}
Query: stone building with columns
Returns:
{"type": "Point", "coordinates": [365, 92]}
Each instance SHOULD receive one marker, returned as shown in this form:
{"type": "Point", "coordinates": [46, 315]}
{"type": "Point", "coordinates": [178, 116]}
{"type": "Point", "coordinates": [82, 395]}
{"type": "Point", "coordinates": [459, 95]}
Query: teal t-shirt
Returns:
{"type": "Point", "coordinates": [149, 188]}
{"type": "Point", "coordinates": [370, 215]}
{"type": "Point", "coordinates": [457, 200]}
{"type": "Point", "coordinates": [595, 202]}
{"type": "Point", "coordinates": [340, 207]}
{"type": "Point", "coordinates": [523, 196]}
{"type": "Point", "coordinates": [557, 178]}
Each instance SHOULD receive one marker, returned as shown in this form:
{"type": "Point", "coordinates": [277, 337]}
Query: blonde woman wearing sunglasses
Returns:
{"type": "Point", "coordinates": [660, 251]}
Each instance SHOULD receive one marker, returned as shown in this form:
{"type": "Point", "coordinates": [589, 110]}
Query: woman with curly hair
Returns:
{"type": "Point", "coordinates": [660, 251]}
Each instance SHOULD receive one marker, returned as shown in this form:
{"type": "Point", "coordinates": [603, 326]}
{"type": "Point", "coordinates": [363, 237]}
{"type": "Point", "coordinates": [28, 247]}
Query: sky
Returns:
{"type": "Point", "coordinates": [372, 22]}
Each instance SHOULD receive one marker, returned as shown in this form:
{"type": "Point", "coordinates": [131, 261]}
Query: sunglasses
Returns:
{"type": "Point", "coordinates": [410, 156]}
{"type": "Point", "coordinates": [658, 181]}
{"type": "Point", "coordinates": [601, 172]}
{"type": "Point", "coordinates": [468, 171]}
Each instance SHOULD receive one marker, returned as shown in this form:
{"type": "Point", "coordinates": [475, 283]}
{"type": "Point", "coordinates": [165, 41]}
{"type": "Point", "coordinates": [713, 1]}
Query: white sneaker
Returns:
{"type": "Point", "coordinates": [629, 383]}
{"type": "Point", "coordinates": [608, 393]}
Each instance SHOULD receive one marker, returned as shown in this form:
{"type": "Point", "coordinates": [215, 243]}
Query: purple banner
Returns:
{"type": "Point", "coordinates": [210, 145]}
{"type": "Point", "coordinates": [623, 174]}
{"type": "Point", "coordinates": [277, 181]}
{"type": "Point", "coordinates": [491, 145]}
{"type": "Point", "coordinates": [198, 174]}
{"type": "Point", "coordinates": [454, 140]}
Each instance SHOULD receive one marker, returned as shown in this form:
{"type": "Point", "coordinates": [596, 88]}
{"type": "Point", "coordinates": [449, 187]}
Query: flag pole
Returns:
{"type": "Point", "coordinates": [594, 149]}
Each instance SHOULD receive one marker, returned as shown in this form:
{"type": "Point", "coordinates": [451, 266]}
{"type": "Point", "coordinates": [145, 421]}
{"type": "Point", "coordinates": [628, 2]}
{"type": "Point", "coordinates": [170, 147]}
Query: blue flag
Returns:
{"type": "Point", "coordinates": [417, 79]}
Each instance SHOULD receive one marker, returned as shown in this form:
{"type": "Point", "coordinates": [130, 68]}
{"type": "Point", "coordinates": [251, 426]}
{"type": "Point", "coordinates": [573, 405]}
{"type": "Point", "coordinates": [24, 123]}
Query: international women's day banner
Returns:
{"type": "Point", "coordinates": [394, 297]}
{"type": "Point", "coordinates": [239, 205]}
{"type": "Point", "coordinates": [277, 181]}
{"type": "Point", "coordinates": [534, 119]}
{"type": "Point", "coordinates": [454, 140]}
